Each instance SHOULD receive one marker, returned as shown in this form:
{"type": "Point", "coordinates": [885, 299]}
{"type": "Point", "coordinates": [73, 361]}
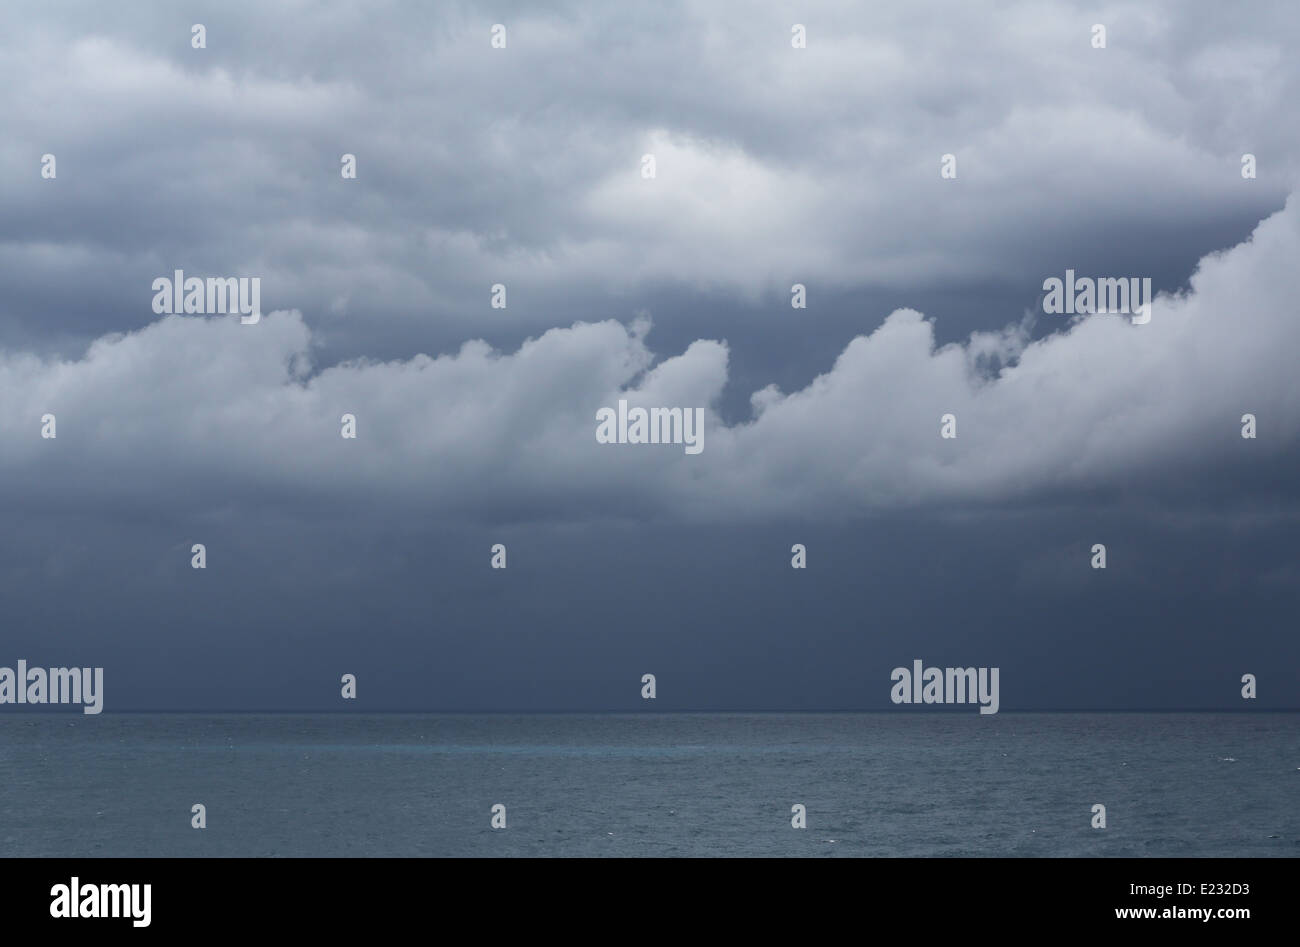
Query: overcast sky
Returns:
{"type": "Point", "coordinates": [476, 425]}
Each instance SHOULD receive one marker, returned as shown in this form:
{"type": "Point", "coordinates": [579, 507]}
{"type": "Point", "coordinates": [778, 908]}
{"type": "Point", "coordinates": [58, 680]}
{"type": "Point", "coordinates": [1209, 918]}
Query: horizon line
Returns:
{"type": "Point", "coordinates": [516, 712]}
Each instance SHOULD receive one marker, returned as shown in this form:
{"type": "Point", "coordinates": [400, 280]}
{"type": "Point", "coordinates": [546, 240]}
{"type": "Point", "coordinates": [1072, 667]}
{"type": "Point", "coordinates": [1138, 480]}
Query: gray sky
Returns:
{"type": "Point", "coordinates": [775, 165]}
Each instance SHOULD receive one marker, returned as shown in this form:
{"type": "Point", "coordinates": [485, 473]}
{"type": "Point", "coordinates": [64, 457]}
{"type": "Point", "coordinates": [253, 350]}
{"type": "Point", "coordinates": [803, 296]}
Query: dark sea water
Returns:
{"type": "Point", "coordinates": [651, 784]}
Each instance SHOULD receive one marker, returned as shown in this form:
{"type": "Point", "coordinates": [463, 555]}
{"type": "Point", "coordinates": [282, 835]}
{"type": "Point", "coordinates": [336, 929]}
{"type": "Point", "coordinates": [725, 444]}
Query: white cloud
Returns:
{"type": "Point", "coordinates": [211, 408]}
{"type": "Point", "coordinates": [477, 166]}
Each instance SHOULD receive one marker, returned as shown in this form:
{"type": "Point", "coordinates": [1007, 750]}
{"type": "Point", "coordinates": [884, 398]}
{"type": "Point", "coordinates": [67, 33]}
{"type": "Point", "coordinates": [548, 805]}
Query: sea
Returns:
{"type": "Point", "coordinates": [941, 784]}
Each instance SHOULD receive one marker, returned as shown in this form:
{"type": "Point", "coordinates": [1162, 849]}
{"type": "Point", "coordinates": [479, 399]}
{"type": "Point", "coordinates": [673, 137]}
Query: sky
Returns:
{"type": "Point", "coordinates": [774, 165]}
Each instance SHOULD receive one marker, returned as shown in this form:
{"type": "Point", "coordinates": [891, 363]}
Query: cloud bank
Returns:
{"type": "Point", "coordinates": [477, 165]}
{"type": "Point", "coordinates": [195, 410]}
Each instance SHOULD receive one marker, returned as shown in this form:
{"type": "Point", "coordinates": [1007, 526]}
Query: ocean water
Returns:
{"type": "Point", "coordinates": [874, 784]}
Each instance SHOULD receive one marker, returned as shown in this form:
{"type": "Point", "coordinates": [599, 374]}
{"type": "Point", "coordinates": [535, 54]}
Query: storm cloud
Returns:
{"type": "Point", "coordinates": [1102, 403]}
{"type": "Point", "coordinates": [476, 425]}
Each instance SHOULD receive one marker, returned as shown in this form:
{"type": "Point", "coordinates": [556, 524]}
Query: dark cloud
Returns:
{"type": "Point", "coordinates": [476, 425]}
